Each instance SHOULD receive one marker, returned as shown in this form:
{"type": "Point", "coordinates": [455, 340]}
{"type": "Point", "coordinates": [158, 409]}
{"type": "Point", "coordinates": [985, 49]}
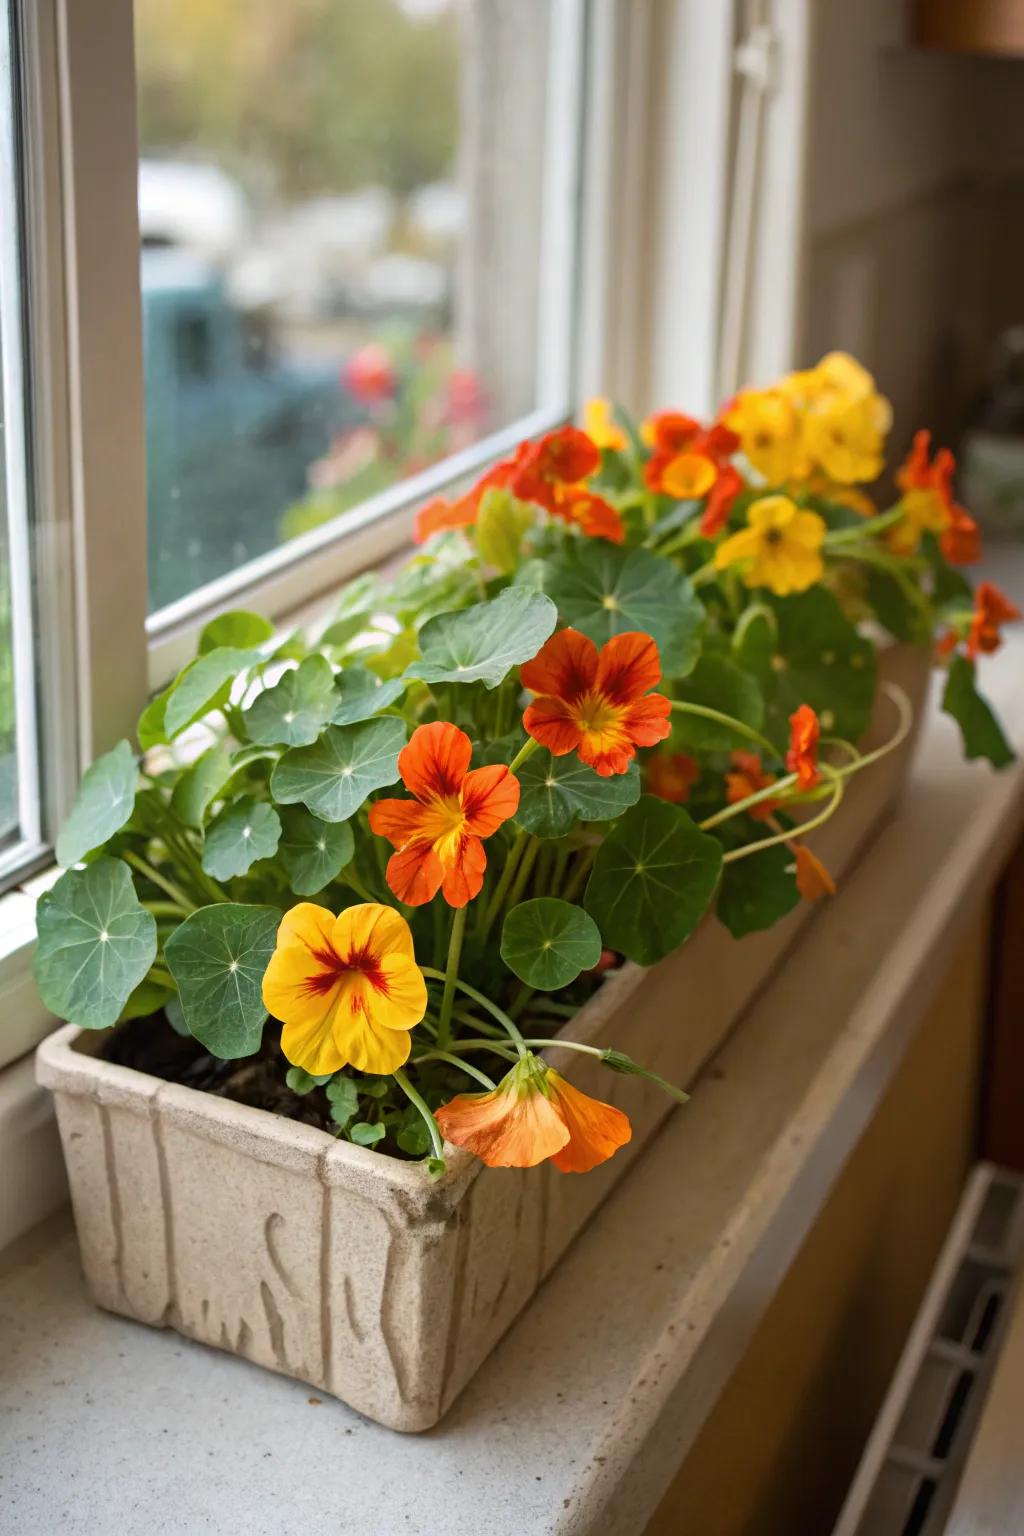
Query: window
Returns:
{"type": "Point", "coordinates": [357, 229]}
{"type": "Point", "coordinates": [20, 832]}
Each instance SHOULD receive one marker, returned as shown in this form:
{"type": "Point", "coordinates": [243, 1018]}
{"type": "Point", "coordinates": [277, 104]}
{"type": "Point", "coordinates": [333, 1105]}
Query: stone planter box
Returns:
{"type": "Point", "coordinates": [353, 1271]}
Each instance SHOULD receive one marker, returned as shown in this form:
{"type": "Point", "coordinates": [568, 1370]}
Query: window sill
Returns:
{"type": "Point", "coordinates": [669, 1281]}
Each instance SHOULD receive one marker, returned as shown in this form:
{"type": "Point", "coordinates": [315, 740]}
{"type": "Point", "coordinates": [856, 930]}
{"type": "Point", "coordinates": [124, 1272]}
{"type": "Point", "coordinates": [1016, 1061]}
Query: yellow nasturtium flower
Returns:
{"type": "Point", "coordinates": [837, 380]}
{"type": "Point", "coordinates": [347, 989]}
{"type": "Point", "coordinates": [600, 426]}
{"type": "Point", "coordinates": [770, 432]}
{"type": "Point", "coordinates": [848, 439]}
{"type": "Point", "coordinates": [781, 547]}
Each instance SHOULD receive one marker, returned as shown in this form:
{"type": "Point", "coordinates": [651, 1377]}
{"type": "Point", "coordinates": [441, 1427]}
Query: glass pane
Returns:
{"type": "Point", "coordinates": [9, 816]}
{"type": "Point", "coordinates": [342, 206]}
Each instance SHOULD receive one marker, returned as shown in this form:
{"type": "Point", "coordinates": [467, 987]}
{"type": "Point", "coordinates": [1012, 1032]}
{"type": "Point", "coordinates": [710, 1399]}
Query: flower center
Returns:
{"type": "Point", "coordinates": [335, 969]}
{"type": "Point", "coordinates": [593, 713]}
{"type": "Point", "coordinates": [773, 536]}
{"type": "Point", "coordinates": [444, 825]}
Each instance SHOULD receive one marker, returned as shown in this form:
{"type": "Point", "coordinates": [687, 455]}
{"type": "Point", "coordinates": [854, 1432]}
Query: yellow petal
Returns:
{"type": "Point", "coordinates": [741, 546]}
{"type": "Point", "coordinates": [309, 925]}
{"type": "Point", "coordinates": [369, 1045]}
{"type": "Point", "coordinates": [402, 1002]}
{"type": "Point", "coordinates": [806, 529]}
{"type": "Point", "coordinates": [372, 928]}
{"type": "Point", "coordinates": [312, 1041]}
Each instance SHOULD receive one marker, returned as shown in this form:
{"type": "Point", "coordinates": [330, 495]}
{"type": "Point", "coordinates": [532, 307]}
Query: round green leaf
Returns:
{"type": "Point", "coordinates": [95, 943]}
{"type": "Point", "coordinates": [652, 881]}
{"type": "Point", "coordinates": [547, 943]}
{"type": "Point", "coordinates": [241, 834]}
{"type": "Point", "coordinates": [313, 852]}
{"type": "Point", "coordinates": [604, 590]}
{"type": "Point", "coordinates": [205, 684]}
{"type": "Point", "coordinates": [822, 660]}
{"type": "Point", "coordinates": [501, 523]}
{"type": "Point", "coordinates": [200, 785]}
{"type": "Point", "coordinates": [294, 711]}
{"type": "Point", "coordinates": [358, 695]}
{"type": "Point", "coordinates": [556, 792]}
{"type": "Point", "coordinates": [103, 804]}
{"type": "Point", "coordinates": [333, 777]}
{"type": "Point", "coordinates": [217, 958]}
{"type": "Point", "coordinates": [716, 683]}
{"type": "Point", "coordinates": [757, 891]}
{"type": "Point", "coordinates": [238, 628]}
{"type": "Point", "coordinates": [483, 643]}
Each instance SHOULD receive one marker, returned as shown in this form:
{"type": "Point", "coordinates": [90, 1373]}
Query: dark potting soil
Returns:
{"type": "Point", "coordinates": [151, 1045]}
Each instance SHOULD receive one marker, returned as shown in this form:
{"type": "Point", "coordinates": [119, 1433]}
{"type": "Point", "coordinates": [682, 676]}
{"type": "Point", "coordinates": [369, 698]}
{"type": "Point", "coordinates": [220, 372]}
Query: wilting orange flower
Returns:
{"type": "Point", "coordinates": [559, 459]}
{"type": "Point", "coordinates": [597, 518]}
{"type": "Point", "coordinates": [347, 989]}
{"type": "Point", "coordinates": [719, 503]}
{"type": "Point", "coordinates": [802, 757]}
{"type": "Point", "coordinates": [813, 880]}
{"type": "Point", "coordinates": [992, 609]}
{"type": "Point", "coordinates": [596, 703]}
{"type": "Point", "coordinates": [532, 1115]}
{"type": "Point", "coordinates": [439, 834]}
{"type": "Point", "coordinates": [671, 776]}
{"type": "Point", "coordinates": [748, 778]}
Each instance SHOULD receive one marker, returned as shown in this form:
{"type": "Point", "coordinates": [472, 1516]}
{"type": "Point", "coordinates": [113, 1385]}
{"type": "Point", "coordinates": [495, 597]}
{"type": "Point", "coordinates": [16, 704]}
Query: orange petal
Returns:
{"type": "Point", "coordinates": [505, 1128]}
{"type": "Point", "coordinates": [415, 874]}
{"type": "Point", "coordinates": [688, 475]}
{"type": "Point", "coordinates": [397, 820]}
{"type": "Point", "coordinates": [464, 877]}
{"type": "Point", "coordinates": [548, 721]}
{"type": "Point", "coordinates": [565, 666]}
{"type": "Point", "coordinates": [812, 878]}
{"type": "Point", "coordinates": [440, 514]}
{"type": "Point", "coordinates": [489, 797]}
{"type": "Point", "coordinates": [605, 754]}
{"type": "Point", "coordinates": [436, 760]}
{"type": "Point", "coordinates": [647, 721]}
{"type": "Point", "coordinates": [628, 667]}
{"type": "Point", "coordinates": [596, 1129]}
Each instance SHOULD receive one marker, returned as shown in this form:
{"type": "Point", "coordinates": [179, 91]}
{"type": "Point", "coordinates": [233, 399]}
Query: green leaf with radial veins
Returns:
{"type": "Point", "coordinates": [547, 943]}
{"type": "Point", "coordinates": [556, 792]}
{"type": "Point", "coordinates": [333, 777]}
{"type": "Point", "coordinates": [359, 695]}
{"type": "Point", "coordinates": [204, 685]}
{"type": "Point", "coordinates": [237, 628]}
{"type": "Point", "coordinates": [241, 834]}
{"type": "Point", "coordinates": [312, 851]}
{"type": "Point", "coordinates": [483, 643]}
{"type": "Point", "coordinates": [982, 734]}
{"type": "Point", "coordinates": [652, 881]}
{"type": "Point", "coordinates": [95, 943]}
{"type": "Point", "coordinates": [200, 784]}
{"type": "Point", "coordinates": [604, 590]}
{"type": "Point", "coordinates": [757, 891]}
{"type": "Point", "coordinates": [217, 958]}
{"type": "Point", "coordinates": [716, 683]}
{"type": "Point", "coordinates": [819, 659]}
{"type": "Point", "coordinates": [295, 710]}
{"type": "Point", "coordinates": [105, 800]}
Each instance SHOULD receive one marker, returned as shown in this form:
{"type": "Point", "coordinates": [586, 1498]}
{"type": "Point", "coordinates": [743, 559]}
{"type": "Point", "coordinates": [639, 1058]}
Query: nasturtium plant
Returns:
{"type": "Point", "coordinates": [360, 877]}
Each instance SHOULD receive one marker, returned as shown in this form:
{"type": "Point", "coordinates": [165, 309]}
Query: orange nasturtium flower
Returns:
{"type": "Point", "coordinates": [600, 425]}
{"type": "Point", "coordinates": [594, 516]}
{"type": "Point", "coordinates": [596, 703]}
{"type": "Point", "coordinates": [780, 546]}
{"type": "Point", "coordinates": [671, 776]}
{"type": "Point", "coordinates": [440, 514]}
{"type": "Point", "coordinates": [802, 757]}
{"type": "Point", "coordinates": [532, 1115]}
{"type": "Point", "coordinates": [992, 609]}
{"type": "Point", "coordinates": [746, 778]}
{"type": "Point", "coordinates": [813, 880]}
{"type": "Point", "coordinates": [928, 506]}
{"type": "Point", "coordinates": [561, 458]}
{"type": "Point", "coordinates": [347, 989]}
{"type": "Point", "coordinates": [719, 503]}
{"type": "Point", "coordinates": [438, 834]}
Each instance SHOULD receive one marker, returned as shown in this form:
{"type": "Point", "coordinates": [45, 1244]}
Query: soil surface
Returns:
{"type": "Point", "coordinates": [151, 1045]}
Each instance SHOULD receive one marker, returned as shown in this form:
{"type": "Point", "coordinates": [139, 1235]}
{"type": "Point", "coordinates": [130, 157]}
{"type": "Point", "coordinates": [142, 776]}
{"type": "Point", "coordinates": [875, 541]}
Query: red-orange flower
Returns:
{"type": "Point", "coordinates": [535, 1114]}
{"type": "Point", "coordinates": [596, 703]}
{"type": "Point", "coordinates": [687, 458]}
{"type": "Point", "coordinates": [559, 459]}
{"type": "Point", "coordinates": [438, 834]}
{"type": "Point", "coordinates": [960, 543]}
{"type": "Point", "coordinates": [720, 499]}
{"type": "Point", "coordinates": [992, 608]}
{"type": "Point", "coordinates": [748, 778]}
{"type": "Point", "coordinates": [671, 776]}
{"type": "Point", "coordinates": [928, 505]}
{"type": "Point", "coordinates": [441, 514]}
{"type": "Point", "coordinates": [802, 757]}
{"type": "Point", "coordinates": [813, 880]}
{"type": "Point", "coordinates": [597, 518]}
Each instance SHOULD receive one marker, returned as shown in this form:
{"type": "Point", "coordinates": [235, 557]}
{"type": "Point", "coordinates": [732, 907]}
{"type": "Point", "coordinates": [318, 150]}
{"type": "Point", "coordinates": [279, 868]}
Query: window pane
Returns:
{"type": "Point", "coordinates": [347, 260]}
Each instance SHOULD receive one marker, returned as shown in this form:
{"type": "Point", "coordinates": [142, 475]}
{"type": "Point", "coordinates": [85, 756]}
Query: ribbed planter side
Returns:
{"type": "Point", "coordinates": [352, 1271]}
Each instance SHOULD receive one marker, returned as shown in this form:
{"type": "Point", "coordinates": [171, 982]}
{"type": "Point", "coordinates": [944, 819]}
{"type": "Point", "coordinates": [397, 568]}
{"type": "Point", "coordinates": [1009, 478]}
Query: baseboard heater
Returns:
{"type": "Point", "coordinates": [912, 1464]}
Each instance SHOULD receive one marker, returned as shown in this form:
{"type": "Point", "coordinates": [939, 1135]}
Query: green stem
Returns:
{"type": "Point", "coordinates": [771, 792]}
{"type": "Point", "coordinates": [906, 721]}
{"type": "Point", "coordinates": [869, 527]}
{"type": "Point", "coordinates": [161, 977]}
{"type": "Point", "coordinates": [420, 1103]}
{"type": "Point", "coordinates": [456, 1061]}
{"type": "Point", "coordinates": [528, 748]}
{"type": "Point", "coordinates": [515, 853]}
{"type": "Point", "coordinates": [526, 864]}
{"type": "Point", "coordinates": [485, 1003]}
{"type": "Point", "coordinates": [635, 1069]}
{"type": "Point", "coordinates": [166, 909]}
{"type": "Point", "coordinates": [352, 880]}
{"type": "Point", "coordinates": [497, 1047]}
{"type": "Point", "coordinates": [580, 875]}
{"type": "Point", "coordinates": [175, 892]}
{"type": "Point", "coordinates": [737, 726]}
{"type": "Point", "coordinates": [835, 776]}
{"type": "Point", "coordinates": [451, 976]}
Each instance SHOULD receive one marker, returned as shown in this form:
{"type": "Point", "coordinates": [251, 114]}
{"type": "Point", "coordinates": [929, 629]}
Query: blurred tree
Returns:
{"type": "Point", "coordinates": [311, 95]}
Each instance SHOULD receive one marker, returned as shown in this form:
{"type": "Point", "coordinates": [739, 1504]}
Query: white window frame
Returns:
{"type": "Point", "coordinates": [637, 280]}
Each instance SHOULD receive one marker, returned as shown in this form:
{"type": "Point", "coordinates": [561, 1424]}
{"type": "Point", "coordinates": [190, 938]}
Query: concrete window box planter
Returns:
{"type": "Point", "coordinates": [379, 1286]}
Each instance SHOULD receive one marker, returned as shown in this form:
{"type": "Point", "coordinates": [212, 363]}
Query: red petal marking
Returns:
{"type": "Point", "coordinates": [436, 760]}
{"type": "Point", "coordinates": [628, 667]}
{"type": "Point", "coordinates": [564, 668]}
